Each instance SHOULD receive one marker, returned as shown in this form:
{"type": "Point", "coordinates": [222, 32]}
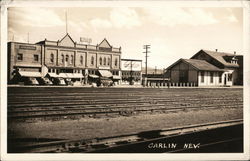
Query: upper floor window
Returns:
{"type": "Point", "coordinates": [67, 58]}
{"type": "Point", "coordinates": [116, 61]}
{"type": "Point", "coordinates": [92, 60]}
{"type": "Point", "coordinates": [52, 58]}
{"type": "Point", "coordinates": [81, 60]}
{"type": "Point", "coordinates": [62, 58]}
{"type": "Point", "coordinates": [19, 57]}
{"type": "Point", "coordinates": [104, 61]}
{"type": "Point", "coordinates": [72, 59]}
{"type": "Point", "coordinates": [36, 58]}
{"type": "Point", "coordinates": [108, 61]}
{"type": "Point", "coordinates": [100, 60]}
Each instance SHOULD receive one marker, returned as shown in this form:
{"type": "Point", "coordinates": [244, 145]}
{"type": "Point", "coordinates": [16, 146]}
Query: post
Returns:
{"type": "Point", "coordinates": [146, 47]}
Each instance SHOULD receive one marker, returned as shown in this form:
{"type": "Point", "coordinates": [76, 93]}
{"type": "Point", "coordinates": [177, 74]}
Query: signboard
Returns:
{"type": "Point", "coordinates": [129, 65]}
{"type": "Point", "coordinates": [84, 39]}
{"type": "Point", "coordinates": [27, 47]}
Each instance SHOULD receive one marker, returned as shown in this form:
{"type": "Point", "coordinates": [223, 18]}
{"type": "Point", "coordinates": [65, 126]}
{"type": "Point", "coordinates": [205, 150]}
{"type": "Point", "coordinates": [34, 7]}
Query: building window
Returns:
{"type": "Point", "coordinates": [229, 77]}
{"type": "Point", "coordinates": [67, 58]}
{"type": "Point", "coordinates": [211, 77]}
{"type": "Point", "coordinates": [36, 58]}
{"type": "Point", "coordinates": [62, 58]}
{"type": "Point", "coordinates": [92, 60]}
{"type": "Point", "coordinates": [104, 61]}
{"type": "Point", "coordinates": [81, 60]}
{"type": "Point", "coordinates": [19, 57]}
{"type": "Point", "coordinates": [202, 77]}
{"type": "Point", "coordinates": [220, 77]}
{"type": "Point", "coordinates": [72, 59]}
{"type": "Point", "coordinates": [108, 61]}
{"type": "Point", "coordinates": [100, 60]}
{"type": "Point", "coordinates": [116, 61]}
{"type": "Point", "coordinates": [49, 70]}
{"type": "Point", "coordinates": [52, 58]}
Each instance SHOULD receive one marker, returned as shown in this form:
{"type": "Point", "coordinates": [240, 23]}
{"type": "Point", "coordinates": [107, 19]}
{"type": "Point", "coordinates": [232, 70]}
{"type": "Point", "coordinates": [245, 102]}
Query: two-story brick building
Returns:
{"type": "Point", "coordinates": [65, 59]}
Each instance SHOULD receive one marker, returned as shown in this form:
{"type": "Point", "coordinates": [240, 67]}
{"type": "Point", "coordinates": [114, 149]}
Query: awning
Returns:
{"type": "Point", "coordinates": [54, 75]}
{"type": "Point", "coordinates": [30, 74]}
{"type": "Point", "coordinates": [62, 75]}
{"type": "Point", "coordinates": [93, 76]}
{"type": "Point", "coordinates": [105, 73]}
{"type": "Point", "coordinates": [74, 75]}
{"type": "Point", "coordinates": [116, 77]}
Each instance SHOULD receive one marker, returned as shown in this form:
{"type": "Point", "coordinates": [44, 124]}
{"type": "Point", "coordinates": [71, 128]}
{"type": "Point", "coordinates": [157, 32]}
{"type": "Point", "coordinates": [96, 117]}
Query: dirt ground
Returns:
{"type": "Point", "coordinates": [88, 128]}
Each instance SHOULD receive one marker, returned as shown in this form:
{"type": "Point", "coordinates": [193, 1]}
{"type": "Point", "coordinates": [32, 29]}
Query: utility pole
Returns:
{"type": "Point", "coordinates": [146, 47]}
{"type": "Point", "coordinates": [155, 69]}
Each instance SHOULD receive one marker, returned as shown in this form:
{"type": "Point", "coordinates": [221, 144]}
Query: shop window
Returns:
{"type": "Point", "coordinates": [92, 60]}
{"type": "Point", "coordinates": [81, 60]}
{"type": "Point", "coordinates": [104, 61]}
{"type": "Point", "coordinates": [35, 58]}
{"type": "Point", "coordinates": [202, 77]}
{"type": "Point", "coordinates": [211, 77]}
{"type": "Point", "coordinates": [52, 58]}
{"type": "Point", "coordinates": [100, 60]}
{"type": "Point", "coordinates": [19, 57]}
{"type": "Point", "coordinates": [72, 59]}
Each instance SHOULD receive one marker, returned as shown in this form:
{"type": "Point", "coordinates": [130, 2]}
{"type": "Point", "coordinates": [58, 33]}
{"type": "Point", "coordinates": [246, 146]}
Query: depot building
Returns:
{"type": "Point", "coordinates": [64, 59]}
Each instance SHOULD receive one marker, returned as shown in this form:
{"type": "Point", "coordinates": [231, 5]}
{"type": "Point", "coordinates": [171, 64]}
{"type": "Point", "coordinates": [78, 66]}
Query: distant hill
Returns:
{"type": "Point", "coordinates": [152, 70]}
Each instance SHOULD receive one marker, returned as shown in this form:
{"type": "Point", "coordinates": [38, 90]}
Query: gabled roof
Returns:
{"type": "Point", "coordinates": [105, 44]}
{"type": "Point", "coordinates": [67, 41]}
{"type": "Point", "coordinates": [201, 65]}
{"type": "Point", "coordinates": [219, 56]}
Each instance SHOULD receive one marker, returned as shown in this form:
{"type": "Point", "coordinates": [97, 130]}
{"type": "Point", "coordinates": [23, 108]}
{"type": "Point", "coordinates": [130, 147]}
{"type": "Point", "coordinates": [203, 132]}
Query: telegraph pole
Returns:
{"type": "Point", "coordinates": [146, 47]}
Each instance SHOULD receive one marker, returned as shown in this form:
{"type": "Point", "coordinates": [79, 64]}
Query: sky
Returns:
{"type": "Point", "coordinates": [172, 32]}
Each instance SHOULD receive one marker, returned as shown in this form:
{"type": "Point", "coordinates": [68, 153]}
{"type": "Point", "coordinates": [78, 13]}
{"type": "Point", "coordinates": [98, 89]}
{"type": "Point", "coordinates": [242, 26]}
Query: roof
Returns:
{"type": "Point", "coordinates": [219, 56]}
{"type": "Point", "coordinates": [201, 65]}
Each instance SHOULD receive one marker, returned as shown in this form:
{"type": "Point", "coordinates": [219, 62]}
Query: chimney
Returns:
{"type": "Point", "coordinates": [216, 50]}
{"type": "Point", "coordinates": [234, 53]}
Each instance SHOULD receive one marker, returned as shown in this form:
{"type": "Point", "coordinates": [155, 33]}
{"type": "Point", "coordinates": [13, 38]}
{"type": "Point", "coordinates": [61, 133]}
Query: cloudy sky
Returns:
{"type": "Point", "coordinates": [172, 32]}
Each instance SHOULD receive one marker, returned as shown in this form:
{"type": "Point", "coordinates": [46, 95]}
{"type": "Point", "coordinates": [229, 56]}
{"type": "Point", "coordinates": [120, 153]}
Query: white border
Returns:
{"type": "Point", "coordinates": [168, 156]}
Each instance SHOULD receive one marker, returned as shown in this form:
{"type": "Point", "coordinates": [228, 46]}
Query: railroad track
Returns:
{"type": "Point", "coordinates": [201, 135]}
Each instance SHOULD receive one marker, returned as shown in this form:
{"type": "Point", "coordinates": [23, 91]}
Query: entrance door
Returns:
{"type": "Point", "coordinates": [183, 76]}
{"type": "Point", "coordinates": [225, 79]}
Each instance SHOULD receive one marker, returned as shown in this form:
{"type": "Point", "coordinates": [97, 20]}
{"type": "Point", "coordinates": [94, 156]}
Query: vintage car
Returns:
{"type": "Point", "coordinates": [45, 81]}
{"type": "Point", "coordinates": [59, 81]}
{"type": "Point", "coordinates": [31, 81]}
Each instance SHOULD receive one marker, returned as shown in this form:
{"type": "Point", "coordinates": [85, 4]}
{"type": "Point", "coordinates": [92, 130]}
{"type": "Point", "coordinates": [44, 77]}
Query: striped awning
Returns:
{"type": "Point", "coordinates": [54, 75]}
{"type": "Point", "coordinates": [74, 75]}
{"type": "Point", "coordinates": [30, 74]}
{"type": "Point", "coordinates": [105, 73]}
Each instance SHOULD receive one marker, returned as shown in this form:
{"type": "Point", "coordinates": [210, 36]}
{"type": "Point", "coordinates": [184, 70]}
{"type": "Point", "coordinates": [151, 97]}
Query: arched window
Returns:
{"type": "Point", "coordinates": [62, 58]}
{"type": "Point", "coordinates": [116, 61]}
{"type": "Point", "coordinates": [104, 61]}
{"type": "Point", "coordinates": [100, 60]}
{"type": "Point", "coordinates": [72, 59]}
{"type": "Point", "coordinates": [108, 61]}
{"type": "Point", "coordinates": [52, 58]}
{"type": "Point", "coordinates": [92, 60]}
{"type": "Point", "coordinates": [67, 58]}
{"type": "Point", "coordinates": [81, 60]}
